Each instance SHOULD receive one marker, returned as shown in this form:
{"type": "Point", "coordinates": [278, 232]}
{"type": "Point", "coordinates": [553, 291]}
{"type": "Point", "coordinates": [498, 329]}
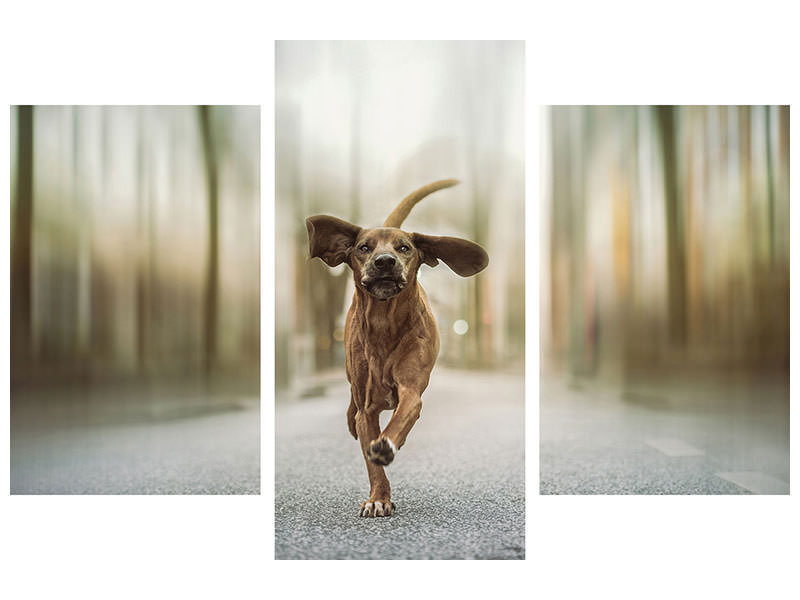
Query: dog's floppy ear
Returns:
{"type": "Point", "coordinates": [462, 256]}
{"type": "Point", "coordinates": [330, 238]}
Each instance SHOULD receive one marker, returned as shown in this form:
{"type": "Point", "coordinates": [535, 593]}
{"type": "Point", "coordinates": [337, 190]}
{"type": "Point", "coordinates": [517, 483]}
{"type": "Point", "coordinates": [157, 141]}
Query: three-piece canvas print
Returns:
{"type": "Point", "coordinates": [399, 260]}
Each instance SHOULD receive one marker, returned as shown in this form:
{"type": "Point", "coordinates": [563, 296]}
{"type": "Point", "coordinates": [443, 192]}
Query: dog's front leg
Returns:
{"type": "Point", "coordinates": [409, 405]}
{"type": "Point", "coordinates": [379, 503]}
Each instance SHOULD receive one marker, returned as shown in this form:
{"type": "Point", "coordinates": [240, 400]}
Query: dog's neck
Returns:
{"type": "Point", "coordinates": [387, 317]}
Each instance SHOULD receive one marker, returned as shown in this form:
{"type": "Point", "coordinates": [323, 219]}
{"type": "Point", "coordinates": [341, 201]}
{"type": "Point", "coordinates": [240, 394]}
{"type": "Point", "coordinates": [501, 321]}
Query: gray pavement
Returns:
{"type": "Point", "coordinates": [706, 437]}
{"type": "Point", "coordinates": [168, 448]}
{"type": "Point", "coordinates": [458, 483]}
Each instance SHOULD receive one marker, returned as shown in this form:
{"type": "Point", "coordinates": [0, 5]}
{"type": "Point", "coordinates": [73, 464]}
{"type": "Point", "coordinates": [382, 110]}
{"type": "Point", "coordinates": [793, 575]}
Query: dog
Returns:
{"type": "Point", "coordinates": [390, 335]}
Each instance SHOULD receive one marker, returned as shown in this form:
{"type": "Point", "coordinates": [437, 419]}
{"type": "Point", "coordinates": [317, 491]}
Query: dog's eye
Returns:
{"type": "Point", "coordinates": [404, 248]}
{"type": "Point", "coordinates": [363, 248]}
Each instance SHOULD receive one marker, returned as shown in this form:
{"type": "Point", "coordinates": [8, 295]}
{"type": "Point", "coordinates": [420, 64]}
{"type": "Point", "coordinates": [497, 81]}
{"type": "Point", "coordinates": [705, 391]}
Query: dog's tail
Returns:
{"type": "Point", "coordinates": [400, 213]}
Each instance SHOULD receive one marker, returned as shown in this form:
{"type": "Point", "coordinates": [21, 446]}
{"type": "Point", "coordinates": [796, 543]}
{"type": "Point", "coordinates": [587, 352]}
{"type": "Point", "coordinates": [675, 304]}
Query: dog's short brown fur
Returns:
{"type": "Point", "coordinates": [390, 335]}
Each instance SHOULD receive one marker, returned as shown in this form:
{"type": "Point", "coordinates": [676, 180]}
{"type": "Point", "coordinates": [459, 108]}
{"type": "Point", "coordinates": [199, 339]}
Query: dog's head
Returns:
{"type": "Point", "coordinates": [385, 259]}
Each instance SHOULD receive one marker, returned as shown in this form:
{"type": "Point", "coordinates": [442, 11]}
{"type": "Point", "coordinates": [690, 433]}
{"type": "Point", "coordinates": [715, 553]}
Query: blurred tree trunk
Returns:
{"type": "Point", "coordinates": [327, 292]}
{"type": "Point", "coordinates": [746, 185]}
{"type": "Point", "coordinates": [676, 250]}
{"type": "Point", "coordinates": [770, 184]}
{"type": "Point", "coordinates": [21, 246]}
{"type": "Point", "coordinates": [142, 267]}
{"type": "Point", "coordinates": [289, 231]}
{"type": "Point", "coordinates": [325, 288]}
{"type": "Point", "coordinates": [578, 126]}
{"type": "Point", "coordinates": [782, 187]}
{"type": "Point", "coordinates": [355, 158]}
{"type": "Point", "coordinates": [103, 349]}
{"type": "Point", "coordinates": [480, 350]}
{"type": "Point", "coordinates": [626, 220]}
{"type": "Point", "coordinates": [84, 234]}
{"type": "Point", "coordinates": [559, 233]}
{"type": "Point", "coordinates": [212, 268]}
{"type": "Point", "coordinates": [783, 144]}
{"type": "Point", "coordinates": [750, 232]}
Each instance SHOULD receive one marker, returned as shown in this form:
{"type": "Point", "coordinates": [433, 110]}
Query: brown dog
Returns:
{"type": "Point", "coordinates": [390, 336]}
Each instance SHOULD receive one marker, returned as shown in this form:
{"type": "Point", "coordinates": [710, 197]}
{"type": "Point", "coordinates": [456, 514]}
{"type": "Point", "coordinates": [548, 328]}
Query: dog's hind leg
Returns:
{"type": "Point", "coordinates": [352, 409]}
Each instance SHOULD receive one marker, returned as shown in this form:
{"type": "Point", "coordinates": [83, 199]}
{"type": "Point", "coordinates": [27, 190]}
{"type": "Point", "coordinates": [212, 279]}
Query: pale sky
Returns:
{"type": "Point", "coordinates": [408, 93]}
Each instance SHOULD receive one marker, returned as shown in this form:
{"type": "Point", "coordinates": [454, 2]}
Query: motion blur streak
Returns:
{"type": "Point", "coordinates": [134, 277]}
{"type": "Point", "coordinates": [665, 271]}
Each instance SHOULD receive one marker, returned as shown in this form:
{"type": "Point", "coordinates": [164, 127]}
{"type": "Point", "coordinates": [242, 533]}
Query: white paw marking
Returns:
{"type": "Point", "coordinates": [377, 509]}
{"type": "Point", "coordinates": [392, 446]}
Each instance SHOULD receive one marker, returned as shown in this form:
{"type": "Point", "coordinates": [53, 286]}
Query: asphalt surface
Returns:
{"type": "Point", "coordinates": [188, 447]}
{"type": "Point", "coordinates": [679, 438]}
{"type": "Point", "coordinates": [458, 483]}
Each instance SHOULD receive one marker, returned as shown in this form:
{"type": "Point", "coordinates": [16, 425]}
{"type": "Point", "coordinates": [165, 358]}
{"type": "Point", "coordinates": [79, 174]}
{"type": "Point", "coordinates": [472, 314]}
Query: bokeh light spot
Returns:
{"type": "Point", "coordinates": [461, 327]}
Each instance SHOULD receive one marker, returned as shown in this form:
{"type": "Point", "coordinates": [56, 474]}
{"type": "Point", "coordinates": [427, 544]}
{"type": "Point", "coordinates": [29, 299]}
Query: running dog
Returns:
{"type": "Point", "coordinates": [390, 335]}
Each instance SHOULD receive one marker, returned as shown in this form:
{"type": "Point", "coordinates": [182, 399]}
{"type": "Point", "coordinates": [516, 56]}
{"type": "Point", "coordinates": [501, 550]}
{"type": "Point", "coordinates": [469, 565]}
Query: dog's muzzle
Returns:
{"type": "Point", "coordinates": [383, 277]}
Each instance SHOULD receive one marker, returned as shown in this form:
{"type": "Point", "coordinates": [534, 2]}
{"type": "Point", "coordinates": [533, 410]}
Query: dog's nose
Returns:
{"type": "Point", "coordinates": [385, 261]}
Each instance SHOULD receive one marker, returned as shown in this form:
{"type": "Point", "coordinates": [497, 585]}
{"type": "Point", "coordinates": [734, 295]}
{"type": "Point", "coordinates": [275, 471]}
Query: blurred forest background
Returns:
{"type": "Point", "coordinates": [359, 125]}
{"type": "Point", "coordinates": [134, 244]}
{"type": "Point", "coordinates": [666, 241]}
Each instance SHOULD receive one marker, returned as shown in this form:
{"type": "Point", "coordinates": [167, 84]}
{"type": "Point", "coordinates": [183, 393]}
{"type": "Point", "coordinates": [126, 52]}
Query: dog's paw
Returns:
{"type": "Point", "coordinates": [376, 508]}
{"type": "Point", "coordinates": [381, 451]}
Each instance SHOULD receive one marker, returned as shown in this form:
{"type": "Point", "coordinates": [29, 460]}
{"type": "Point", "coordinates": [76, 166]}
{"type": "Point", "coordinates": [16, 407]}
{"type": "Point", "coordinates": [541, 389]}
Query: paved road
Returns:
{"type": "Point", "coordinates": [683, 438]}
{"type": "Point", "coordinates": [458, 483]}
{"type": "Point", "coordinates": [191, 448]}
